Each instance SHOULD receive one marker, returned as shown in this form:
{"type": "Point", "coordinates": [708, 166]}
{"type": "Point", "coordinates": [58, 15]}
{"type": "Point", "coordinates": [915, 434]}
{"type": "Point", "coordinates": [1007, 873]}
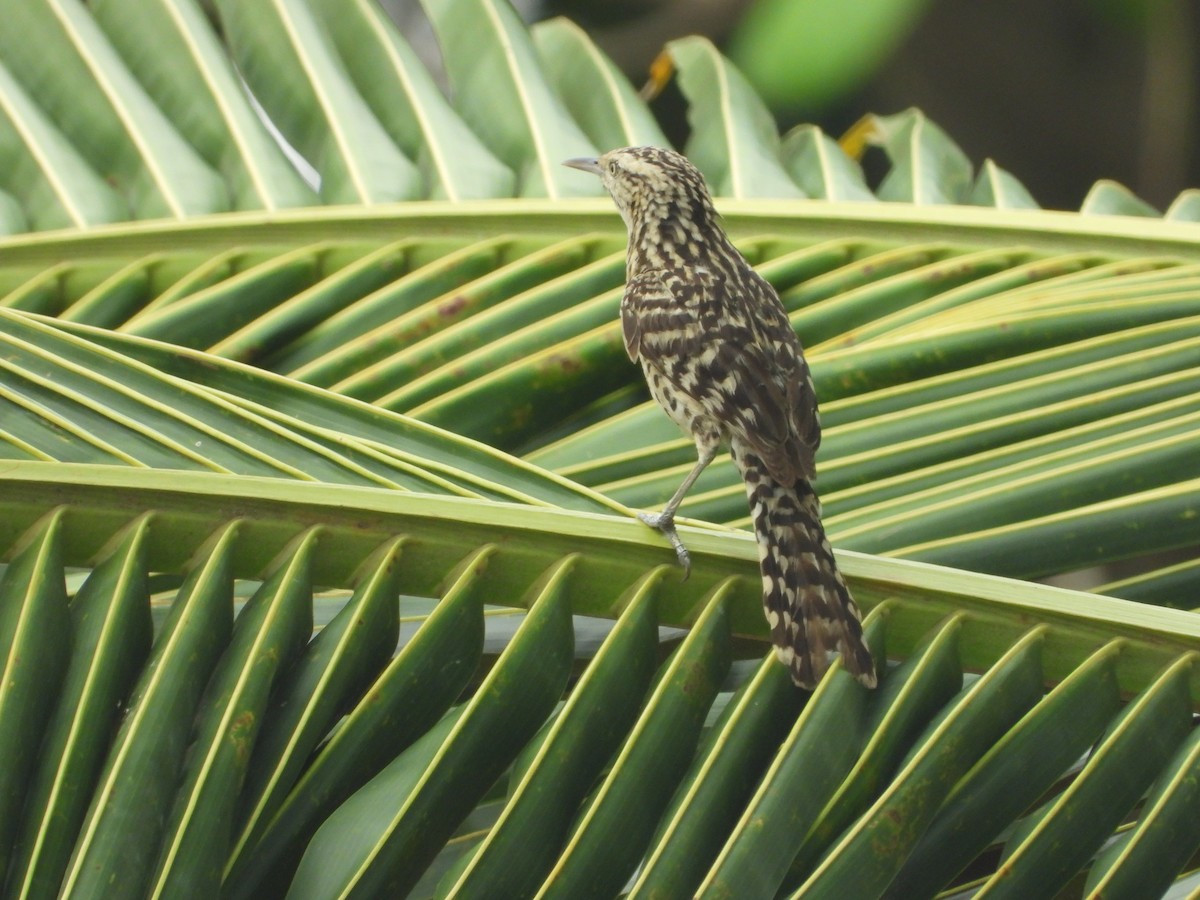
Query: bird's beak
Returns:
{"type": "Point", "coordinates": [584, 164]}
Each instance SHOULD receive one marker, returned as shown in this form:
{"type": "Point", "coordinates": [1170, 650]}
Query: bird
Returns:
{"type": "Point", "coordinates": [721, 358]}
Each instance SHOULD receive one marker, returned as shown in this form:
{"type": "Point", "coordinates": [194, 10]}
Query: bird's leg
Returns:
{"type": "Point", "coordinates": [665, 520]}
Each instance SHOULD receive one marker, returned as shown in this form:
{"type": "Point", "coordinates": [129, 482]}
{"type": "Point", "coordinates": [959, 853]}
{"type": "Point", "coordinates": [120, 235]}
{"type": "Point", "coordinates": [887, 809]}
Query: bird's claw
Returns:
{"type": "Point", "coordinates": [666, 524]}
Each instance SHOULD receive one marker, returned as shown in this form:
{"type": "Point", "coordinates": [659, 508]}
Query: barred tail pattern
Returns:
{"type": "Point", "coordinates": [808, 605]}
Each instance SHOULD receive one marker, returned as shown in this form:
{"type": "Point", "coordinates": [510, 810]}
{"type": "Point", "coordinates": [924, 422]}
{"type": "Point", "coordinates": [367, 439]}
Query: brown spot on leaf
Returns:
{"type": "Point", "coordinates": [452, 307]}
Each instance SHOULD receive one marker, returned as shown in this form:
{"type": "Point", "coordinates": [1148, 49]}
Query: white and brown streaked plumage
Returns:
{"type": "Point", "coordinates": [721, 358]}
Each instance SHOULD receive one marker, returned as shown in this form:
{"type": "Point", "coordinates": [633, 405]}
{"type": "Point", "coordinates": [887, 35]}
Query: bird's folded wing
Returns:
{"type": "Point", "coordinates": [731, 349]}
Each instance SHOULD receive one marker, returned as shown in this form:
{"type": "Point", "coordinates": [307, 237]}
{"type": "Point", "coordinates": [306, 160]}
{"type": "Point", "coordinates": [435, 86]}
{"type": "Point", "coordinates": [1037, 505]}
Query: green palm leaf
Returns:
{"type": "Point", "coordinates": [220, 430]}
{"type": "Point", "coordinates": [977, 623]}
{"type": "Point", "coordinates": [931, 361]}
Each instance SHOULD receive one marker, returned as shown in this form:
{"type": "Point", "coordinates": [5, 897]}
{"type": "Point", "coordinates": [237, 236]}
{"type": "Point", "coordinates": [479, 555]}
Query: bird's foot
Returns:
{"type": "Point", "coordinates": [666, 524]}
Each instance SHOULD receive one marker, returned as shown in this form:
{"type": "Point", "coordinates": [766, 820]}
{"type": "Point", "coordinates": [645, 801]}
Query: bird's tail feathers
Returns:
{"type": "Point", "coordinates": [807, 603]}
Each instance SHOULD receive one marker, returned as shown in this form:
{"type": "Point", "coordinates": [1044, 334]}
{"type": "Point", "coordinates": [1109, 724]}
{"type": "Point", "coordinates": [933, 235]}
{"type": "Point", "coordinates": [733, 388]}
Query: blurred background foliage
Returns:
{"type": "Point", "coordinates": [1108, 88]}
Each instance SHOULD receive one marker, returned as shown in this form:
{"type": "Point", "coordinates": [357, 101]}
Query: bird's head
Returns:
{"type": "Point", "coordinates": [650, 182]}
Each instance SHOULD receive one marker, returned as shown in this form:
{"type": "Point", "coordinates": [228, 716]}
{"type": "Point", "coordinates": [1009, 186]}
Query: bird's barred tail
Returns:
{"type": "Point", "coordinates": [808, 605]}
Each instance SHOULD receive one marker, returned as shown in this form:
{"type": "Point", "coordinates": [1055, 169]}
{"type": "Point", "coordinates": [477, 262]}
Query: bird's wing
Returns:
{"type": "Point", "coordinates": [774, 333]}
{"type": "Point", "coordinates": [784, 429]}
{"type": "Point", "coordinates": [732, 349]}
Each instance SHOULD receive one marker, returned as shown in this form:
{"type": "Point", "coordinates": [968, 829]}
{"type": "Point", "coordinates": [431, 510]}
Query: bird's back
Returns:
{"type": "Point", "coordinates": [715, 331]}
